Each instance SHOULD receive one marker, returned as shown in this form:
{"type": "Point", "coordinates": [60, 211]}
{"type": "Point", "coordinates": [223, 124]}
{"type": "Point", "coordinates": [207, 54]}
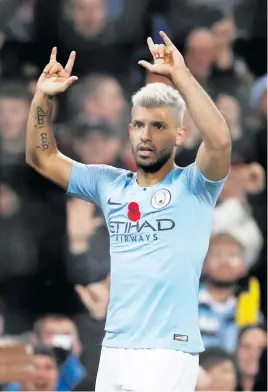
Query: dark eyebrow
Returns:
{"type": "Point", "coordinates": [137, 122]}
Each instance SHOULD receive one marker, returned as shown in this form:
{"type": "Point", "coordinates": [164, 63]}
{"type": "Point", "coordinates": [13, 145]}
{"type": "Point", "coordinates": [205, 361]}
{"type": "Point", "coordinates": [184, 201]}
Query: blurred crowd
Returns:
{"type": "Point", "coordinates": [54, 251]}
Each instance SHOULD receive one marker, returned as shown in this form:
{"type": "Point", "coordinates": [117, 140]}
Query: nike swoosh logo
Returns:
{"type": "Point", "coordinates": [112, 203]}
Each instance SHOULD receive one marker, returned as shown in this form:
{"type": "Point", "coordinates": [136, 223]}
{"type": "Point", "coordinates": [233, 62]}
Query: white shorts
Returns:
{"type": "Point", "coordinates": [147, 370]}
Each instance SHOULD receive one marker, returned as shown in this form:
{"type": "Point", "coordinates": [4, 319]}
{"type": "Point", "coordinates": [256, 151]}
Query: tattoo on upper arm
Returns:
{"type": "Point", "coordinates": [45, 144]}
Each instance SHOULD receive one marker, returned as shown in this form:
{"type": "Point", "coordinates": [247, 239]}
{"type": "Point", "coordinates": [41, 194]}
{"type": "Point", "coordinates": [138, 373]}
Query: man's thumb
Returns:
{"type": "Point", "coordinates": [84, 295]}
{"type": "Point", "coordinates": [145, 65]}
{"type": "Point", "coordinates": [70, 81]}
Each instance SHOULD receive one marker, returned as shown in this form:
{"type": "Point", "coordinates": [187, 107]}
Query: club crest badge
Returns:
{"type": "Point", "coordinates": [161, 199]}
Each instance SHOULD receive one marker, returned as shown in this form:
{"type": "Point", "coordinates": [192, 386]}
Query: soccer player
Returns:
{"type": "Point", "coordinates": [159, 220]}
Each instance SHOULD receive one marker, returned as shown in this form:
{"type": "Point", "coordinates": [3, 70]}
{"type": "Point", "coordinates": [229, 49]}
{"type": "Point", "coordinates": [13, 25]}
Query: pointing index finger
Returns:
{"type": "Point", "coordinates": [53, 56]}
{"type": "Point", "coordinates": [165, 38]}
{"type": "Point", "coordinates": [70, 63]}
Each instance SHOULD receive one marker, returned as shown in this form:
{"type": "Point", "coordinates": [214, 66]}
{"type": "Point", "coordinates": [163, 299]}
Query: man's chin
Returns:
{"type": "Point", "coordinates": [221, 281]}
{"type": "Point", "coordinates": [147, 165]}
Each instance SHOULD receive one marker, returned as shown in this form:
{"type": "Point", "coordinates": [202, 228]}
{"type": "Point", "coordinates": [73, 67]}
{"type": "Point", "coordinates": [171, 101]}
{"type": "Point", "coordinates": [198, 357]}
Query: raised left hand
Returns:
{"type": "Point", "coordinates": [166, 57]}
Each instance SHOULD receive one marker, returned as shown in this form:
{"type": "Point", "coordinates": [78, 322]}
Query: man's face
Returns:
{"type": "Point", "coordinates": [50, 328]}
{"type": "Point", "coordinates": [46, 373]}
{"type": "Point", "coordinates": [230, 109]}
{"type": "Point", "coordinates": [13, 117]}
{"type": "Point", "coordinates": [153, 134]}
{"type": "Point", "coordinates": [98, 149]}
{"type": "Point", "coordinates": [250, 348]}
{"type": "Point", "coordinates": [108, 104]}
{"type": "Point", "coordinates": [224, 32]}
{"type": "Point", "coordinates": [111, 100]}
{"type": "Point", "coordinates": [89, 16]}
{"type": "Point", "coordinates": [225, 262]}
{"type": "Point", "coordinates": [200, 54]}
{"type": "Point", "coordinates": [223, 376]}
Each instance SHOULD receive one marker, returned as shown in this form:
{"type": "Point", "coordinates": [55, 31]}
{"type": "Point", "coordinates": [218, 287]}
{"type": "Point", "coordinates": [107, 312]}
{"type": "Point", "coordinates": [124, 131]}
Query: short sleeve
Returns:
{"type": "Point", "coordinates": [86, 181]}
{"type": "Point", "coordinates": [202, 187]}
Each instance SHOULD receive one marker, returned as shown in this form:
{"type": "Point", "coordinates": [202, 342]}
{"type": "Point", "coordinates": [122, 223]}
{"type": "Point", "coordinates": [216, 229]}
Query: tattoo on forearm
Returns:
{"type": "Point", "coordinates": [45, 144]}
{"type": "Point", "coordinates": [41, 116]}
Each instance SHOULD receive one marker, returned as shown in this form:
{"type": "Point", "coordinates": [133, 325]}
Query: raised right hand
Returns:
{"type": "Point", "coordinates": [55, 79]}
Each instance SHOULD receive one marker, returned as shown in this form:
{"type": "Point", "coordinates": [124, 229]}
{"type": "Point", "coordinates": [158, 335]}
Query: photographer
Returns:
{"type": "Point", "coordinates": [60, 333]}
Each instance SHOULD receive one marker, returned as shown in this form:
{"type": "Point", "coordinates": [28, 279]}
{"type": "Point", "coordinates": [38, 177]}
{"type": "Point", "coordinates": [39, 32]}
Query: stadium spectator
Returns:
{"type": "Point", "coordinates": [99, 97]}
{"type": "Point", "coordinates": [230, 73]}
{"type": "Point", "coordinates": [20, 26]}
{"type": "Point", "coordinates": [88, 18]}
{"type": "Point", "coordinates": [16, 363]}
{"type": "Point", "coordinates": [14, 108]}
{"type": "Point", "coordinates": [96, 142]}
{"type": "Point", "coordinates": [243, 138]}
{"type": "Point", "coordinates": [46, 372]}
{"type": "Point", "coordinates": [103, 44]}
{"type": "Point", "coordinates": [233, 213]}
{"type": "Point", "coordinates": [60, 333]}
{"type": "Point", "coordinates": [48, 326]}
{"type": "Point", "coordinates": [17, 230]}
{"type": "Point", "coordinates": [191, 16]}
{"type": "Point", "coordinates": [224, 266]}
{"type": "Point", "coordinates": [200, 54]}
{"type": "Point", "coordinates": [18, 263]}
{"type": "Point", "coordinates": [227, 7]}
{"type": "Point", "coordinates": [16, 37]}
{"type": "Point", "coordinates": [251, 343]}
{"type": "Point", "coordinates": [220, 367]}
{"type": "Point", "coordinates": [89, 260]}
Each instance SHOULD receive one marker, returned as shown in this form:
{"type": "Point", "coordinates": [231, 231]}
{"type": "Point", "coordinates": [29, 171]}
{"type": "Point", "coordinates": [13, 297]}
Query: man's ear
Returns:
{"type": "Point", "coordinates": [181, 135]}
{"type": "Point", "coordinates": [129, 127]}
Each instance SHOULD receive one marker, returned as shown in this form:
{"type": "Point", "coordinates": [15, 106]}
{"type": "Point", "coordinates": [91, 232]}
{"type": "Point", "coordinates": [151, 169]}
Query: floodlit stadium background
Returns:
{"type": "Point", "coordinates": [49, 244]}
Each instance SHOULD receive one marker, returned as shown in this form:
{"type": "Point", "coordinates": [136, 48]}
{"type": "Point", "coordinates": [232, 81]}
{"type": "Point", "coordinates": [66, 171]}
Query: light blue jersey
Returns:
{"type": "Point", "coordinates": [159, 238]}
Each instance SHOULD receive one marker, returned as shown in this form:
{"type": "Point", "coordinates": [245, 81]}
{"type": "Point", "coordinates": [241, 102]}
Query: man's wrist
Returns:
{"type": "Point", "coordinates": [41, 95]}
{"type": "Point", "coordinates": [179, 74]}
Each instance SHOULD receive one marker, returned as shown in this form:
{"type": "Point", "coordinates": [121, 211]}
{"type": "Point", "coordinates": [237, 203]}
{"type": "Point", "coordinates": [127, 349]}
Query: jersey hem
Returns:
{"type": "Point", "coordinates": [152, 346]}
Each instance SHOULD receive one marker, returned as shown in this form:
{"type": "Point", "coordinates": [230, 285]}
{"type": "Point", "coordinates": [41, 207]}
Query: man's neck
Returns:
{"type": "Point", "coordinates": [220, 294]}
{"type": "Point", "coordinates": [150, 179]}
{"type": "Point", "coordinates": [247, 383]}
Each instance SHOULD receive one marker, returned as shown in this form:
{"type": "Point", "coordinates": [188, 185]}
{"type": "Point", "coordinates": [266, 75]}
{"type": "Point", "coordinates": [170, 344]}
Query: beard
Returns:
{"type": "Point", "coordinates": [149, 166]}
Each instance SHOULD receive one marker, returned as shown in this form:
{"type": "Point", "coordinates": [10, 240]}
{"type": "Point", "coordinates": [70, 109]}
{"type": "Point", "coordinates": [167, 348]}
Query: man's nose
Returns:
{"type": "Point", "coordinates": [146, 134]}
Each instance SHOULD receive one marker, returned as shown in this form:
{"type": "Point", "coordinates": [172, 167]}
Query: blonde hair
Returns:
{"type": "Point", "coordinates": [159, 94]}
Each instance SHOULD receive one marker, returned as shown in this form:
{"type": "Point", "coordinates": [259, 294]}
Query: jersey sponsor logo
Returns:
{"type": "Point", "coordinates": [113, 203]}
{"type": "Point", "coordinates": [161, 198]}
{"type": "Point", "coordinates": [139, 231]}
{"type": "Point", "coordinates": [180, 338]}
